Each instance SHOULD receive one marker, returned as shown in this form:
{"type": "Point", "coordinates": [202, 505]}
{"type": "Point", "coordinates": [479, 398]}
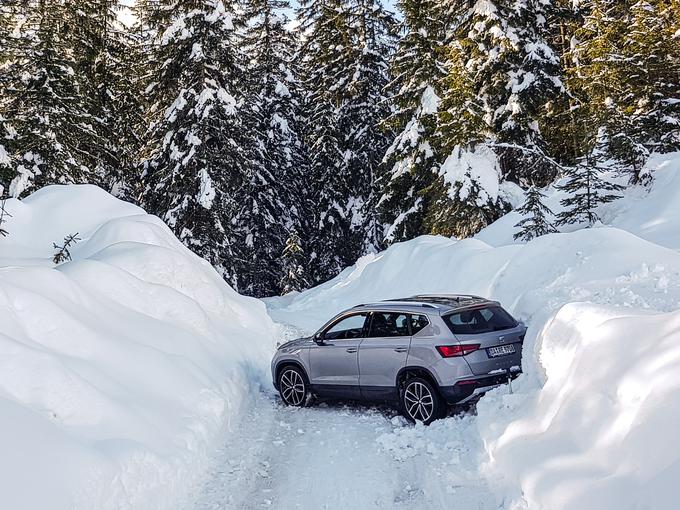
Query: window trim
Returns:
{"type": "Point", "coordinates": [330, 326]}
{"type": "Point", "coordinates": [410, 323]}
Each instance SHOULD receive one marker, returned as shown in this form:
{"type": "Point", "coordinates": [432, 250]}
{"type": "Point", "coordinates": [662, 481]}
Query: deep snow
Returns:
{"type": "Point", "coordinates": [590, 423]}
{"type": "Point", "coordinates": [134, 378]}
{"type": "Point", "coordinates": [121, 370]}
{"type": "Point", "coordinates": [601, 363]}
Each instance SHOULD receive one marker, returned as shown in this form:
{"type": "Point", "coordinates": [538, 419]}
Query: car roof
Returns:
{"type": "Point", "coordinates": [427, 303]}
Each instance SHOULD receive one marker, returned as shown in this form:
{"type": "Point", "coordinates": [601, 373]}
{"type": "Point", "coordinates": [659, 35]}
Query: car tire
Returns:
{"type": "Point", "coordinates": [293, 386]}
{"type": "Point", "coordinates": [420, 401]}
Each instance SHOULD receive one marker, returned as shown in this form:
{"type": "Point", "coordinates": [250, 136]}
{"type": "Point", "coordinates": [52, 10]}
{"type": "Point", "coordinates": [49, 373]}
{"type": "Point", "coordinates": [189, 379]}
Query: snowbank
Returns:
{"type": "Point", "coordinates": [590, 423]}
{"type": "Point", "coordinates": [118, 370]}
{"type": "Point", "coordinates": [604, 265]}
{"type": "Point", "coordinates": [652, 214]}
{"type": "Point", "coordinates": [601, 433]}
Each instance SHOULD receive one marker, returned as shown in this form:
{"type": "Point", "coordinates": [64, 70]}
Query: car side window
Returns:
{"type": "Point", "coordinates": [388, 325]}
{"type": "Point", "coordinates": [349, 327]}
{"type": "Point", "coordinates": [418, 323]}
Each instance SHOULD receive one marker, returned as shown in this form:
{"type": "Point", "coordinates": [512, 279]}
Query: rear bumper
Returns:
{"type": "Point", "coordinates": [461, 393]}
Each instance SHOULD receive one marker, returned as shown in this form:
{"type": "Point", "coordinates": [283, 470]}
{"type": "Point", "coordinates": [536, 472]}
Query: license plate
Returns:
{"type": "Point", "coordinates": [501, 350]}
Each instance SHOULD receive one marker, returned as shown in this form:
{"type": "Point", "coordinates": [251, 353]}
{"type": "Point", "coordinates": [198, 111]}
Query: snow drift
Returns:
{"type": "Point", "coordinates": [119, 369]}
{"type": "Point", "coordinates": [590, 424]}
{"type": "Point", "coordinates": [601, 433]}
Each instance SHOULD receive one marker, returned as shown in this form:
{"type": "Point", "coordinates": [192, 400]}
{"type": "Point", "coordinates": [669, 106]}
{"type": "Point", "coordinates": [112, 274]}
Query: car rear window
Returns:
{"type": "Point", "coordinates": [479, 320]}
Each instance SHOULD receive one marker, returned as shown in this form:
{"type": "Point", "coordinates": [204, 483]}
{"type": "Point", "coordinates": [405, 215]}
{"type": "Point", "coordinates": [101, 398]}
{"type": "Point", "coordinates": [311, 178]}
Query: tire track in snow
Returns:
{"type": "Point", "coordinates": [337, 456]}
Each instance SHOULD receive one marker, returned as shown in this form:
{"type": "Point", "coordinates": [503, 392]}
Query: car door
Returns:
{"type": "Point", "coordinates": [334, 360]}
{"type": "Point", "coordinates": [383, 353]}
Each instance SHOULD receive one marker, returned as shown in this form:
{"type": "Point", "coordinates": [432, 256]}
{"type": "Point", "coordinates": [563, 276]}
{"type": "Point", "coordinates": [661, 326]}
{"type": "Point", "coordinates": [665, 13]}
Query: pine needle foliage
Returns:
{"type": "Point", "coordinates": [536, 222]}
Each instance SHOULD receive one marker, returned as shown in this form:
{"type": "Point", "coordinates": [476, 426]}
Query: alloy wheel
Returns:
{"type": "Point", "coordinates": [418, 401]}
{"type": "Point", "coordinates": [292, 387]}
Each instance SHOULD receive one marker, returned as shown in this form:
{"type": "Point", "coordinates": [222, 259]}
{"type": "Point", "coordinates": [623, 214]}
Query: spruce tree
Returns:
{"type": "Point", "coordinates": [536, 222]}
{"type": "Point", "coordinates": [362, 113]}
{"type": "Point", "coordinates": [273, 199]}
{"type": "Point", "coordinates": [503, 73]}
{"type": "Point", "coordinates": [106, 55]}
{"type": "Point", "coordinates": [623, 68]}
{"type": "Point", "coordinates": [48, 111]}
{"type": "Point", "coordinates": [415, 89]}
{"type": "Point", "coordinates": [5, 161]}
{"type": "Point", "coordinates": [344, 66]}
{"type": "Point", "coordinates": [197, 153]}
{"type": "Point", "coordinates": [323, 29]}
{"type": "Point", "coordinates": [6, 70]}
{"type": "Point", "coordinates": [293, 264]}
{"type": "Point", "coordinates": [461, 206]}
{"type": "Point", "coordinates": [125, 107]}
{"type": "Point", "coordinates": [586, 186]}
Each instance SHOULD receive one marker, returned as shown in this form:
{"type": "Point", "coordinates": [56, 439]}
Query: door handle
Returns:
{"type": "Point", "coordinates": [401, 349]}
{"type": "Point", "coordinates": [352, 350]}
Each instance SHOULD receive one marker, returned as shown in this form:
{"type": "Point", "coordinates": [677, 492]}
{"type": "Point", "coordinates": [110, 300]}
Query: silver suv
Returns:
{"type": "Point", "coordinates": [423, 353]}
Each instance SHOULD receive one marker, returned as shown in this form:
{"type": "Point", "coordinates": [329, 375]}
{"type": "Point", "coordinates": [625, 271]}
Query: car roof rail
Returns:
{"type": "Point", "coordinates": [454, 297]}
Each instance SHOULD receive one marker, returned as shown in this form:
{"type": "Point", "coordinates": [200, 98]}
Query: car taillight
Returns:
{"type": "Point", "coordinates": [453, 351]}
{"type": "Point", "coordinates": [469, 382]}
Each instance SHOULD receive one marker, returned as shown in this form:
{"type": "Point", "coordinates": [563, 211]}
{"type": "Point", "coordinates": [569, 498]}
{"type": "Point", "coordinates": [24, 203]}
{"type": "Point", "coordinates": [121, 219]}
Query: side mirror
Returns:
{"type": "Point", "coordinates": [318, 338]}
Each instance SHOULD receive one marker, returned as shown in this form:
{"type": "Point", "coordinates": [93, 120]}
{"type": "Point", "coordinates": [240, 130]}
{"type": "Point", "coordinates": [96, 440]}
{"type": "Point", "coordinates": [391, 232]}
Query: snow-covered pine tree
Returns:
{"type": "Point", "coordinates": [345, 52]}
{"type": "Point", "coordinates": [411, 160]}
{"type": "Point", "coordinates": [465, 197]}
{"type": "Point", "coordinates": [46, 110]}
{"type": "Point", "coordinates": [6, 173]}
{"type": "Point", "coordinates": [586, 187]}
{"type": "Point", "coordinates": [622, 69]}
{"type": "Point", "coordinates": [7, 10]}
{"type": "Point", "coordinates": [325, 32]}
{"type": "Point", "coordinates": [197, 152]}
{"type": "Point", "coordinates": [362, 114]}
{"type": "Point", "coordinates": [138, 87]}
{"type": "Point", "coordinates": [6, 166]}
{"type": "Point", "coordinates": [126, 109]}
{"type": "Point", "coordinates": [105, 56]}
{"type": "Point", "coordinates": [502, 75]}
{"type": "Point", "coordinates": [293, 263]}
{"type": "Point", "coordinates": [459, 209]}
{"type": "Point", "coordinates": [535, 222]}
{"type": "Point", "coordinates": [7, 63]}
{"type": "Point", "coordinates": [273, 199]}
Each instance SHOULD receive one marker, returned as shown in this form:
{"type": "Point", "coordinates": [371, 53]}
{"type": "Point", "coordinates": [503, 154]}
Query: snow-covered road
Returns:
{"type": "Point", "coordinates": [330, 457]}
{"type": "Point", "coordinates": [341, 456]}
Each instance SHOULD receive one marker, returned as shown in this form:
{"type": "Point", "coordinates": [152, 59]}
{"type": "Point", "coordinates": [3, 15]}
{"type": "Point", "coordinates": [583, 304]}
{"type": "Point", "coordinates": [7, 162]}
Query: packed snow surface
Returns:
{"type": "Point", "coordinates": [121, 370]}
